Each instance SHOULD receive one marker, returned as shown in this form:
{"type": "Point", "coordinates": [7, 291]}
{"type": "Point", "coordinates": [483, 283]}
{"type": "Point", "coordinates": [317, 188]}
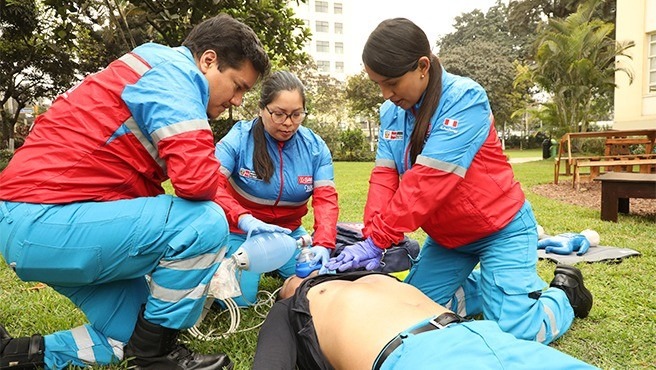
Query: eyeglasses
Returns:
{"type": "Point", "coordinates": [279, 117]}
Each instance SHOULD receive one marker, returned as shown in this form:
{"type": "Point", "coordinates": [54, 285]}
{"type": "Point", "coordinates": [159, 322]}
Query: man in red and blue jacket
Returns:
{"type": "Point", "coordinates": [83, 209]}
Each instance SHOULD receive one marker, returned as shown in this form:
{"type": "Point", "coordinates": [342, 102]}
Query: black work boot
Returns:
{"type": "Point", "coordinates": [570, 280]}
{"type": "Point", "coordinates": [21, 353]}
{"type": "Point", "coordinates": [154, 347]}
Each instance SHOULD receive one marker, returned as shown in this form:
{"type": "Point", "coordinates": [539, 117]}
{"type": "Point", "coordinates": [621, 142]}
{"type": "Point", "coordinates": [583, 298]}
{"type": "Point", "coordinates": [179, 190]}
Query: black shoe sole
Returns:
{"type": "Point", "coordinates": [575, 274]}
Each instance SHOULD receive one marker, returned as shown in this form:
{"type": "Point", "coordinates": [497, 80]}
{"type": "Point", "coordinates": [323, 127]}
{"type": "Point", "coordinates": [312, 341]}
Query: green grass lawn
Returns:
{"type": "Point", "coordinates": [620, 332]}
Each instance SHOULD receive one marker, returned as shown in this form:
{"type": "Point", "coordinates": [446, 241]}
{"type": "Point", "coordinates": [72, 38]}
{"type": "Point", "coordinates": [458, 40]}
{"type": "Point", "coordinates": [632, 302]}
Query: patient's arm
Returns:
{"type": "Point", "coordinates": [276, 343]}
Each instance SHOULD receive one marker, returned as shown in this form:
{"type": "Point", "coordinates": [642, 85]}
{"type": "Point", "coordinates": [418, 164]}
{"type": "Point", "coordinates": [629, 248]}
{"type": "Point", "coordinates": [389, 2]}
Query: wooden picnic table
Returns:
{"type": "Point", "coordinates": [617, 145]}
{"type": "Point", "coordinates": [618, 187]}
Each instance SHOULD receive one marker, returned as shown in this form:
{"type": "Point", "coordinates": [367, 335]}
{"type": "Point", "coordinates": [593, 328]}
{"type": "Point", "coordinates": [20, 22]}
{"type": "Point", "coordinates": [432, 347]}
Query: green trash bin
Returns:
{"type": "Point", "coordinates": [554, 148]}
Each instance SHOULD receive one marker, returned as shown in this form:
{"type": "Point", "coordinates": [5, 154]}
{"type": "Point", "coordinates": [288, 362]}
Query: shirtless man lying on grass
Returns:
{"type": "Point", "coordinates": [366, 320]}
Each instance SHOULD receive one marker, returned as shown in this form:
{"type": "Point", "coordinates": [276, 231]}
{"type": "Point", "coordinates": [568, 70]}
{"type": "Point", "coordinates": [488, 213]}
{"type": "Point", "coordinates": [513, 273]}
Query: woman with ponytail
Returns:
{"type": "Point", "coordinates": [440, 167]}
{"type": "Point", "coordinates": [274, 165]}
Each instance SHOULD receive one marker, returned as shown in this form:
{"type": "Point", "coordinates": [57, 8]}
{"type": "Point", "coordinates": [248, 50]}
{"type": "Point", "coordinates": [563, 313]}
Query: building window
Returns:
{"type": "Point", "coordinates": [339, 67]}
{"type": "Point", "coordinates": [321, 7]}
{"type": "Point", "coordinates": [323, 66]}
{"type": "Point", "coordinates": [652, 62]}
{"type": "Point", "coordinates": [339, 28]}
{"type": "Point", "coordinates": [339, 48]}
{"type": "Point", "coordinates": [337, 8]}
{"type": "Point", "coordinates": [323, 47]}
{"type": "Point", "coordinates": [322, 26]}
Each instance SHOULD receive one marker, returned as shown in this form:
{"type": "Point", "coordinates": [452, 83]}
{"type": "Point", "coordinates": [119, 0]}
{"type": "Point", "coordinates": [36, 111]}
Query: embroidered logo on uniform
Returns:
{"type": "Point", "coordinates": [245, 172]}
{"type": "Point", "coordinates": [392, 135]}
{"type": "Point", "coordinates": [305, 180]}
{"type": "Point", "coordinates": [450, 125]}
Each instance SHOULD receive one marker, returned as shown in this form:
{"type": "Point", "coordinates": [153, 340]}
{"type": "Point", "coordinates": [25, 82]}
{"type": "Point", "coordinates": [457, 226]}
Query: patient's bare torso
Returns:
{"type": "Point", "coordinates": [354, 320]}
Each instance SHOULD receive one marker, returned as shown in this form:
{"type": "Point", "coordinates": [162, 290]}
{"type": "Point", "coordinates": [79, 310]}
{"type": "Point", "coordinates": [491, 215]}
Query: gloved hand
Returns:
{"type": "Point", "coordinates": [565, 244]}
{"type": "Point", "coordinates": [252, 225]}
{"type": "Point", "coordinates": [361, 254]}
{"type": "Point", "coordinates": [321, 255]}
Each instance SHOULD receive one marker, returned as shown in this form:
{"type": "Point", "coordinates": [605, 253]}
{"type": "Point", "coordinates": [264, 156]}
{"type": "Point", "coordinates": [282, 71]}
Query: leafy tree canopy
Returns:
{"type": "Point", "coordinates": [575, 63]}
{"type": "Point", "coordinates": [47, 45]}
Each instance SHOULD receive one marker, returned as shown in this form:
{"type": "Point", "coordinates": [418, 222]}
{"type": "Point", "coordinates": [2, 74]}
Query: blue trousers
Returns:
{"type": "Point", "coordinates": [249, 282]}
{"type": "Point", "coordinates": [477, 344]}
{"type": "Point", "coordinates": [504, 287]}
{"type": "Point", "coordinates": [98, 254]}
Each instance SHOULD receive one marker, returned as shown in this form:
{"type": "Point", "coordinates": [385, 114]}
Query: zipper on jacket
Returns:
{"type": "Point", "coordinates": [282, 178]}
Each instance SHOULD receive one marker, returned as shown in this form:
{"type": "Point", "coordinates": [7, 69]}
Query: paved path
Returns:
{"type": "Point", "coordinates": [523, 160]}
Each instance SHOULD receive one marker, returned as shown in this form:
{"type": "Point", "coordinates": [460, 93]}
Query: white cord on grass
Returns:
{"type": "Point", "coordinates": [261, 307]}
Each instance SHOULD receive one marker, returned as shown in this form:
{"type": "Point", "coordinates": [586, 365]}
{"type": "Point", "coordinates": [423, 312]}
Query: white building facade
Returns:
{"type": "Point", "coordinates": [329, 44]}
{"type": "Point", "coordinates": [635, 103]}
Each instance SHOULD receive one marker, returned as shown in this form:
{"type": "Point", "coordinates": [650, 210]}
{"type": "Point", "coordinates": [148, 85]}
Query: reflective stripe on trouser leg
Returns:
{"type": "Point", "coordinates": [180, 281]}
{"type": "Point", "coordinates": [81, 346]}
{"type": "Point", "coordinates": [509, 276]}
{"type": "Point", "coordinates": [508, 261]}
{"type": "Point", "coordinates": [467, 300]}
{"type": "Point", "coordinates": [559, 315]}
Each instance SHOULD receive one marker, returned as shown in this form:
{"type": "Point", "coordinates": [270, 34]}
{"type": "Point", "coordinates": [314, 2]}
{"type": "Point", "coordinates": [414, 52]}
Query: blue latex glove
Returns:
{"type": "Point", "coordinates": [361, 254]}
{"type": "Point", "coordinates": [321, 255]}
{"type": "Point", "coordinates": [565, 244]}
{"type": "Point", "coordinates": [251, 225]}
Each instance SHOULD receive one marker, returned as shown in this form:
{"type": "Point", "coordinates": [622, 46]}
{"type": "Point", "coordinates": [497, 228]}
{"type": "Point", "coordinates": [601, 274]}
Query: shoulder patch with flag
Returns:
{"type": "Point", "coordinates": [393, 135]}
{"type": "Point", "coordinates": [450, 122]}
{"type": "Point", "coordinates": [245, 172]}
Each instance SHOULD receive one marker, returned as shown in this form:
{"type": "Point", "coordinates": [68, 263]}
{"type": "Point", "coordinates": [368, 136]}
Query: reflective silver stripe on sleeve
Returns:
{"type": "Point", "coordinates": [135, 64]}
{"type": "Point", "coordinates": [197, 263]}
{"type": "Point", "coordinates": [320, 183]}
{"type": "Point", "coordinates": [176, 295]}
{"type": "Point", "coordinates": [225, 171]}
{"type": "Point", "coordinates": [180, 128]}
{"type": "Point", "coordinates": [131, 124]}
{"type": "Point", "coordinates": [84, 344]}
{"type": "Point", "coordinates": [441, 165]}
{"type": "Point", "coordinates": [262, 201]}
{"type": "Point", "coordinates": [385, 163]}
{"type": "Point", "coordinates": [117, 347]}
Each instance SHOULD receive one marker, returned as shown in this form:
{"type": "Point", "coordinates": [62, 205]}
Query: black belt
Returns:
{"type": "Point", "coordinates": [439, 322]}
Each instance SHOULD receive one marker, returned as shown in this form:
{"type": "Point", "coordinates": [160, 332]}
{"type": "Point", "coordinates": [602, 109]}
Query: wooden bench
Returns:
{"type": "Point", "coordinates": [617, 164]}
{"type": "Point", "coordinates": [617, 145]}
{"type": "Point", "coordinates": [618, 187]}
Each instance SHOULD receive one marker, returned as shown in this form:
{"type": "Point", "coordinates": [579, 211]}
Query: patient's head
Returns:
{"type": "Point", "coordinates": [289, 286]}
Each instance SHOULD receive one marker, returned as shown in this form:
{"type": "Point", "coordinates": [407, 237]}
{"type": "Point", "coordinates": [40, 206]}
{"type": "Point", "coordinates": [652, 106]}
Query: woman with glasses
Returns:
{"type": "Point", "coordinates": [274, 165]}
{"type": "Point", "coordinates": [437, 133]}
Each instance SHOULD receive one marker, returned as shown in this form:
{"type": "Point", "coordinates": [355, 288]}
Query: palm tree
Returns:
{"type": "Point", "coordinates": [575, 64]}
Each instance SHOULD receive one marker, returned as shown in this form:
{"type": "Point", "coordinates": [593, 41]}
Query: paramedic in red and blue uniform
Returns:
{"type": "Point", "coordinates": [440, 167]}
{"type": "Point", "coordinates": [83, 210]}
{"type": "Point", "coordinates": [273, 166]}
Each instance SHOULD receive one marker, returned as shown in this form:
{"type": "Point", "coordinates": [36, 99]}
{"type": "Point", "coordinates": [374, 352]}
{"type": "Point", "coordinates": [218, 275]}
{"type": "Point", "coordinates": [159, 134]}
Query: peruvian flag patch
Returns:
{"type": "Point", "coordinates": [449, 122]}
